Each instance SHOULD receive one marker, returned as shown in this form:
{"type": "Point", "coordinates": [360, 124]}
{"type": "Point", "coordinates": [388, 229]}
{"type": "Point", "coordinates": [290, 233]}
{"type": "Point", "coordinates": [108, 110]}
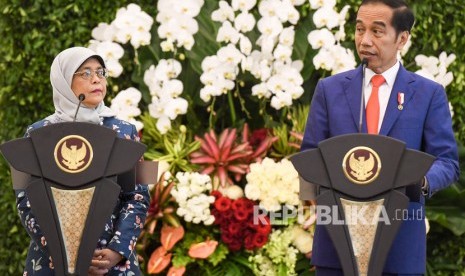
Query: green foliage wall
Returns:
{"type": "Point", "coordinates": [33, 32]}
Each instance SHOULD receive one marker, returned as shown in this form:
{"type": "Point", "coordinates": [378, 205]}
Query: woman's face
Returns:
{"type": "Point", "coordinates": [93, 87]}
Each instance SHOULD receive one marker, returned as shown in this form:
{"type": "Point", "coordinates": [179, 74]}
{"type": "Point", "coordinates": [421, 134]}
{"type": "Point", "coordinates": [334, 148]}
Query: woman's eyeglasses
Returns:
{"type": "Point", "coordinates": [88, 74]}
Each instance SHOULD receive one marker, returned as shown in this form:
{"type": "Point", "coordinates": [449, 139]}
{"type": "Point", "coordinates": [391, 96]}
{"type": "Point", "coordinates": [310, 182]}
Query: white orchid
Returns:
{"type": "Point", "coordinates": [435, 68]}
{"type": "Point", "coordinates": [326, 17]}
{"type": "Point", "coordinates": [223, 13]}
{"type": "Point", "coordinates": [104, 32]}
{"type": "Point", "coordinates": [230, 54]}
{"type": "Point", "coordinates": [321, 38]}
{"type": "Point", "coordinates": [323, 60]}
{"type": "Point", "coordinates": [270, 26]}
{"type": "Point", "coordinates": [245, 45]}
{"type": "Point", "coordinates": [261, 91]}
{"type": "Point", "coordinates": [316, 4]}
{"type": "Point", "coordinates": [114, 68]}
{"type": "Point", "coordinates": [227, 33]}
{"type": "Point", "coordinates": [125, 105]}
{"type": "Point", "coordinates": [243, 5]}
{"type": "Point", "coordinates": [177, 23]}
{"type": "Point", "coordinates": [244, 22]}
{"type": "Point", "coordinates": [287, 36]}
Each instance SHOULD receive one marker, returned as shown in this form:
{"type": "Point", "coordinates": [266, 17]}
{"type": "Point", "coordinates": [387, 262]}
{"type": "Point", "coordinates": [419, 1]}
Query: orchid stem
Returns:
{"type": "Point", "coordinates": [212, 113]}
{"type": "Point", "coordinates": [231, 108]}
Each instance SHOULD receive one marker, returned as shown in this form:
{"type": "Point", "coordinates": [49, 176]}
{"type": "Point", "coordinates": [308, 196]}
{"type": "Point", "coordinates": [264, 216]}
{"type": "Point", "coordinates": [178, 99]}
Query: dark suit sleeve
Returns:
{"type": "Point", "coordinates": [317, 128]}
{"type": "Point", "coordinates": [439, 140]}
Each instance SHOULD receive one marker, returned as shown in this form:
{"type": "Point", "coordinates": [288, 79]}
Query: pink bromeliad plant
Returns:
{"type": "Point", "coordinates": [225, 155]}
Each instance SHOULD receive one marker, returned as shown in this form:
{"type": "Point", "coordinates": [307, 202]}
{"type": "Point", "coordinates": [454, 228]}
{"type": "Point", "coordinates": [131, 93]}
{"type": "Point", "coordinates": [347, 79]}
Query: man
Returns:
{"type": "Point", "coordinates": [411, 109]}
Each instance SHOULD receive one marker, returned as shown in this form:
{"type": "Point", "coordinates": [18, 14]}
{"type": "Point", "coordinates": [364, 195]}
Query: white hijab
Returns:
{"type": "Point", "coordinates": [62, 71]}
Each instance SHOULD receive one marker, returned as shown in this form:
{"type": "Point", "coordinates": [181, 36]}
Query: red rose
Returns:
{"type": "Point", "coordinates": [249, 242]}
{"type": "Point", "coordinates": [263, 227]}
{"type": "Point", "coordinates": [217, 194]}
{"type": "Point", "coordinates": [234, 228]}
{"type": "Point", "coordinates": [218, 217]}
{"type": "Point", "coordinates": [241, 215]}
{"type": "Point", "coordinates": [227, 237]}
{"type": "Point", "coordinates": [248, 205]}
{"type": "Point", "coordinates": [259, 240]}
{"type": "Point", "coordinates": [258, 136]}
{"type": "Point", "coordinates": [227, 215]}
{"type": "Point", "coordinates": [223, 204]}
{"type": "Point", "coordinates": [238, 204]}
{"type": "Point", "coordinates": [235, 245]}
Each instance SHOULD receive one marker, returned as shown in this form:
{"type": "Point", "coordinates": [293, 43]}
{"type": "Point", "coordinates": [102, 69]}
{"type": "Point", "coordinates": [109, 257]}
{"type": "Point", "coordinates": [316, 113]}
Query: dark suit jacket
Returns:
{"type": "Point", "coordinates": [423, 124]}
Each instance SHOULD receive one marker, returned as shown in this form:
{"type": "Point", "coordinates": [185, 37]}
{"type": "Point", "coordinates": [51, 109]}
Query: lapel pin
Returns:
{"type": "Point", "coordinates": [400, 100]}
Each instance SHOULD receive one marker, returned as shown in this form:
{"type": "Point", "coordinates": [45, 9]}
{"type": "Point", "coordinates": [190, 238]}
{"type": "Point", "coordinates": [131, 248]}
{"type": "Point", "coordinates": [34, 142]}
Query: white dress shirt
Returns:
{"type": "Point", "coordinates": [384, 91]}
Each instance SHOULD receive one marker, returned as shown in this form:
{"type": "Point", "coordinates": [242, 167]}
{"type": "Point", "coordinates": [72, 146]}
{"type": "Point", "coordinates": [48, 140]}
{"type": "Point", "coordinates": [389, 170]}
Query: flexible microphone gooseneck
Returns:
{"type": "Point", "coordinates": [362, 98]}
{"type": "Point", "coordinates": [81, 98]}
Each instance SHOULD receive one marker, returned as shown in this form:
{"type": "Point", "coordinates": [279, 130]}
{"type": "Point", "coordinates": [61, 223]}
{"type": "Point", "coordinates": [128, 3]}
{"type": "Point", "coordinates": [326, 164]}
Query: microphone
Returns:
{"type": "Point", "coordinates": [81, 98]}
{"type": "Point", "coordinates": [362, 98]}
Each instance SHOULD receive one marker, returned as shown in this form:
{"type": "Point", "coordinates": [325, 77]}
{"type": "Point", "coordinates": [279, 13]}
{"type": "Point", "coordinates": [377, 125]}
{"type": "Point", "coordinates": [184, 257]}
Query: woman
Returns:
{"type": "Point", "coordinates": [77, 71]}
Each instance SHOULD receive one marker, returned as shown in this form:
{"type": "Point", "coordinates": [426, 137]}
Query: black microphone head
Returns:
{"type": "Point", "coordinates": [365, 62]}
{"type": "Point", "coordinates": [81, 97]}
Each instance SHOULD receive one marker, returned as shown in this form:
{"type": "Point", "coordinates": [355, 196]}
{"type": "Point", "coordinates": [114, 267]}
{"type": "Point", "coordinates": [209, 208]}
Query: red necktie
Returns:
{"type": "Point", "coordinates": [372, 109]}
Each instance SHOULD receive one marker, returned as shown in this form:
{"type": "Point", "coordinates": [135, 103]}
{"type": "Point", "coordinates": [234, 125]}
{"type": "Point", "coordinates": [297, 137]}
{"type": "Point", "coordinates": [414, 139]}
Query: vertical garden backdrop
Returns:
{"type": "Point", "coordinates": [220, 91]}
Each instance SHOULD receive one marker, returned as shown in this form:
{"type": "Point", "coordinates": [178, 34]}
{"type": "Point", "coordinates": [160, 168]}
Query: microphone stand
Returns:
{"type": "Point", "coordinates": [81, 98]}
{"type": "Point", "coordinates": [362, 98]}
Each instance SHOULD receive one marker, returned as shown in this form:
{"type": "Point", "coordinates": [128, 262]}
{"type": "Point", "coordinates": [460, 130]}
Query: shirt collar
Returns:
{"type": "Point", "coordinates": [389, 75]}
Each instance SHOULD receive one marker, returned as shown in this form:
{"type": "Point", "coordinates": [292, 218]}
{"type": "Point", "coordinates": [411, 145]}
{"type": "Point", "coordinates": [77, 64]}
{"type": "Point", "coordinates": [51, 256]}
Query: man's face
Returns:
{"type": "Point", "coordinates": [375, 37]}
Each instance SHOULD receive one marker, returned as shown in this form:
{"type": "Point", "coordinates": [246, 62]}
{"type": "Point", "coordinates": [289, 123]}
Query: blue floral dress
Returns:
{"type": "Point", "coordinates": [121, 230]}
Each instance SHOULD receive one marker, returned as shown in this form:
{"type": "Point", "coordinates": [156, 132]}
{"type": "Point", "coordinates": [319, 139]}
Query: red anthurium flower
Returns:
{"type": "Point", "coordinates": [171, 235]}
{"type": "Point", "coordinates": [158, 261]}
{"type": "Point", "coordinates": [202, 250]}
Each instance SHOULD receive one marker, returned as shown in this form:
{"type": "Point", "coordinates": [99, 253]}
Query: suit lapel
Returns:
{"type": "Point", "coordinates": [353, 92]}
{"type": "Point", "coordinates": [401, 85]}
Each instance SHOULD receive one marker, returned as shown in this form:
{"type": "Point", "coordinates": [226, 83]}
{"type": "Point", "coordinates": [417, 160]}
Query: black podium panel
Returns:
{"type": "Point", "coordinates": [75, 172]}
{"type": "Point", "coordinates": [363, 171]}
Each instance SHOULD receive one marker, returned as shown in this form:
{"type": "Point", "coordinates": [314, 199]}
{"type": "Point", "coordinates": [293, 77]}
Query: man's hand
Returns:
{"type": "Point", "coordinates": [103, 260]}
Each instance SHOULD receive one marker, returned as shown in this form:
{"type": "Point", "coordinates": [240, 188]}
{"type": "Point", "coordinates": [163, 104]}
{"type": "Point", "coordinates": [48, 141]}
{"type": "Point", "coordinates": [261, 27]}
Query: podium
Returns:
{"type": "Point", "coordinates": [373, 174]}
{"type": "Point", "coordinates": [73, 174]}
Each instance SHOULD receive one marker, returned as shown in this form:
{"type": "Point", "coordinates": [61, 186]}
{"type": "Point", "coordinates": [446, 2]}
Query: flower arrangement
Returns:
{"type": "Point", "coordinates": [235, 218]}
{"type": "Point", "coordinates": [220, 91]}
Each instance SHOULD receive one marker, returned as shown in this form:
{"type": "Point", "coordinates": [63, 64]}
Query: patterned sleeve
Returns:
{"type": "Point", "coordinates": [28, 220]}
{"type": "Point", "coordinates": [134, 206]}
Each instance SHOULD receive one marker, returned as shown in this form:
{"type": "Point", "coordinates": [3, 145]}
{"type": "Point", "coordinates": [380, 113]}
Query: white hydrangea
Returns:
{"type": "Point", "coordinates": [278, 252]}
{"type": "Point", "coordinates": [273, 184]}
{"type": "Point", "coordinates": [191, 194]}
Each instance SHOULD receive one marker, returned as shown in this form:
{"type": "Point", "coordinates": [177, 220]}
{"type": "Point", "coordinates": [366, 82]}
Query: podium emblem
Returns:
{"type": "Point", "coordinates": [361, 165]}
{"type": "Point", "coordinates": [73, 154]}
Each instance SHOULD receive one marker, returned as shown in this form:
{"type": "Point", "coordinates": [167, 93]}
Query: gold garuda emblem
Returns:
{"type": "Point", "coordinates": [361, 165]}
{"type": "Point", "coordinates": [73, 154]}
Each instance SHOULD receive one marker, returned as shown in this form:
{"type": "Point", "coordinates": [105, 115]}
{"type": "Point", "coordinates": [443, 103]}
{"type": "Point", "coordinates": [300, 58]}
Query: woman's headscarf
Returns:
{"type": "Point", "coordinates": [62, 71]}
